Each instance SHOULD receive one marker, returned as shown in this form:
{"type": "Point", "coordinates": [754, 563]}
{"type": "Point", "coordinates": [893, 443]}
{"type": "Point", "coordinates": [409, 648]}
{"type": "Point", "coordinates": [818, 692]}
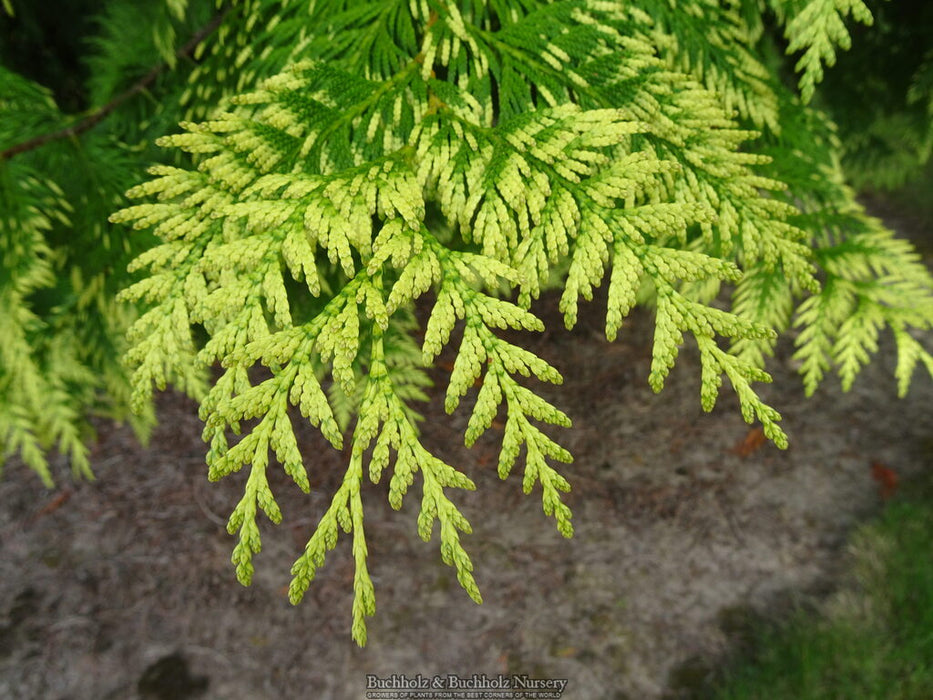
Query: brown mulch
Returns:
{"type": "Point", "coordinates": [122, 587]}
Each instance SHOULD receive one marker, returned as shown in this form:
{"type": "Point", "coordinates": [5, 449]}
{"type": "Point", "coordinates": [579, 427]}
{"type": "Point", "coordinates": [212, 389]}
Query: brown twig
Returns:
{"type": "Point", "coordinates": [98, 116]}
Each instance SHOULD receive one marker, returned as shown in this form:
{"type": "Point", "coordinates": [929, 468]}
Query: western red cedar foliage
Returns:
{"type": "Point", "coordinates": [335, 163]}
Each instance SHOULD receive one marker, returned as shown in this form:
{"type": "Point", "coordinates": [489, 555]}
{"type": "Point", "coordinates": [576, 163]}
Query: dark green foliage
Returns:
{"type": "Point", "coordinates": [889, 139]}
{"type": "Point", "coordinates": [337, 162]}
{"type": "Point", "coordinates": [63, 262]}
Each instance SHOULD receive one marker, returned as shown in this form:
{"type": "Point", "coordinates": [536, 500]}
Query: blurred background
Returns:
{"type": "Point", "coordinates": [706, 563]}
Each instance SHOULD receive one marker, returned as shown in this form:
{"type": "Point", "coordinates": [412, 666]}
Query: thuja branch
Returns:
{"type": "Point", "coordinates": [461, 150]}
{"type": "Point", "coordinates": [96, 117]}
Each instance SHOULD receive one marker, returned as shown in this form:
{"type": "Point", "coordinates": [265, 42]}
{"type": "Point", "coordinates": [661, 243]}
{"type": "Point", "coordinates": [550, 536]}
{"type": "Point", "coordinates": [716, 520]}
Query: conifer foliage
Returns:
{"type": "Point", "coordinates": [342, 163]}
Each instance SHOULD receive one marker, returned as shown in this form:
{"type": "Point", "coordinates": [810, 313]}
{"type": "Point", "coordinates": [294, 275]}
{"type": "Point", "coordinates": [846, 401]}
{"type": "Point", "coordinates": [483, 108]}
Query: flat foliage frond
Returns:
{"type": "Point", "coordinates": [341, 170]}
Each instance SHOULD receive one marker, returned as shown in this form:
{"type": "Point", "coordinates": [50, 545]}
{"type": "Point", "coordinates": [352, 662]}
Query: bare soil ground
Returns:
{"type": "Point", "coordinates": [122, 588]}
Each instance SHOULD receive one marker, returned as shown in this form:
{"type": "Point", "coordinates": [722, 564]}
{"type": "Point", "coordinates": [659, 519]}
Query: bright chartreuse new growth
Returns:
{"type": "Point", "coordinates": [341, 163]}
